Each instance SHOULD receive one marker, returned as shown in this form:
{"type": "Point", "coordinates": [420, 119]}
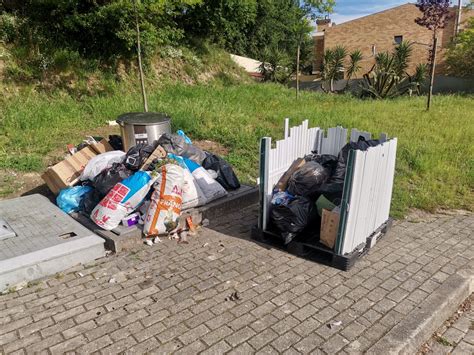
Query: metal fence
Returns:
{"type": "Point", "coordinates": [368, 182]}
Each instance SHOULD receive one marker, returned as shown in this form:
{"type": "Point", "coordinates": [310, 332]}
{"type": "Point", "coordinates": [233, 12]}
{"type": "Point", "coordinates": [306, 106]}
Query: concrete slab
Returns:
{"type": "Point", "coordinates": [46, 241]}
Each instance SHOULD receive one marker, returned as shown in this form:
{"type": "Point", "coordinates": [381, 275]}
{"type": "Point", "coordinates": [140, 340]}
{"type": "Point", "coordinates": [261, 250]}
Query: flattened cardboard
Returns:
{"type": "Point", "coordinates": [329, 228]}
{"type": "Point", "coordinates": [67, 172]}
{"type": "Point", "coordinates": [158, 153]}
{"type": "Point", "coordinates": [101, 147]}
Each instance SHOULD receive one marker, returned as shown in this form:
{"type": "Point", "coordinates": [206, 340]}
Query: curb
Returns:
{"type": "Point", "coordinates": [408, 335]}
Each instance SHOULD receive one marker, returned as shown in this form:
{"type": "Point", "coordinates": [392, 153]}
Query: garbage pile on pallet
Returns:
{"type": "Point", "coordinates": [324, 195]}
{"type": "Point", "coordinates": [306, 201]}
{"type": "Point", "coordinates": [149, 185]}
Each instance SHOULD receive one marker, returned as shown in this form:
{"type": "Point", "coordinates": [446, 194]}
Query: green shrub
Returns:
{"type": "Point", "coordinates": [8, 27]}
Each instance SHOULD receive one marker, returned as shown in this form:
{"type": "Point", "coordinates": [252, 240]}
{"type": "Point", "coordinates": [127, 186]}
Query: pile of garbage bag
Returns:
{"type": "Point", "coordinates": [150, 184]}
{"type": "Point", "coordinates": [312, 184]}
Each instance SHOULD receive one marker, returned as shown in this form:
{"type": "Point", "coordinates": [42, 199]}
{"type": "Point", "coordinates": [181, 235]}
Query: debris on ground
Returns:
{"type": "Point", "coordinates": [334, 324]}
{"type": "Point", "coordinates": [233, 297]}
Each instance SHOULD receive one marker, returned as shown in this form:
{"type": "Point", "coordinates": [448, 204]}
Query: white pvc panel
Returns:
{"type": "Point", "coordinates": [355, 134]}
{"type": "Point", "coordinates": [371, 193]}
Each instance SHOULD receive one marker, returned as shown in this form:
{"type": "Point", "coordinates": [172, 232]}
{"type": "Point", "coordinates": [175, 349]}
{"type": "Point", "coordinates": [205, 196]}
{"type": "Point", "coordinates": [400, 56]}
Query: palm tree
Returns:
{"type": "Point", "coordinates": [333, 65]}
{"type": "Point", "coordinates": [355, 58]}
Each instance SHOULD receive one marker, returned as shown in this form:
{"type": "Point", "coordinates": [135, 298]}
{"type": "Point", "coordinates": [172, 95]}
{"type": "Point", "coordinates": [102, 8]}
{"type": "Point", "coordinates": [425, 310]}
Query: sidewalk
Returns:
{"type": "Point", "coordinates": [176, 297]}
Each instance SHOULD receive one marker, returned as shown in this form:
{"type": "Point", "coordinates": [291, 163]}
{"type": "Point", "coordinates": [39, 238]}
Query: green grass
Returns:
{"type": "Point", "coordinates": [435, 164]}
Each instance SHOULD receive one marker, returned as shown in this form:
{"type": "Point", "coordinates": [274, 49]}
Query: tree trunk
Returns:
{"type": "Point", "coordinates": [140, 68]}
{"type": "Point", "coordinates": [298, 71]}
{"type": "Point", "coordinates": [458, 18]}
{"type": "Point", "coordinates": [331, 85]}
{"type": "Point", "coordinates": [432, 74]}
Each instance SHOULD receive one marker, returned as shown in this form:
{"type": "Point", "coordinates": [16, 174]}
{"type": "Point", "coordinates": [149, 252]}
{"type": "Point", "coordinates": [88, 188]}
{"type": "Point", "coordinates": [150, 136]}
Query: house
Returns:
{"type": "Point", "coordinates": [251, 66]}
{"type": "Point", "coordinates": [381, 32]}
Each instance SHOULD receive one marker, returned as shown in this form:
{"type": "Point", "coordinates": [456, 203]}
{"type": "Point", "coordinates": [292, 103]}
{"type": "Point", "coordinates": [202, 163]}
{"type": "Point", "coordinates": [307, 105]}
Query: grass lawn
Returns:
{"type": "Point", "coordinates": [435, 163]}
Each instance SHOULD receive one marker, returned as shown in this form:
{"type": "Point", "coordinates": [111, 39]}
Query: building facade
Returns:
{"type": "Point", "coordinates": [381, 32]}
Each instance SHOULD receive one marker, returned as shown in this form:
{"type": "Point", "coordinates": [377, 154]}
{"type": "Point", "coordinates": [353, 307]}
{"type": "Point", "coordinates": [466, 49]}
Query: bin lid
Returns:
{"type": "Point", "coordinates": [143, 118]}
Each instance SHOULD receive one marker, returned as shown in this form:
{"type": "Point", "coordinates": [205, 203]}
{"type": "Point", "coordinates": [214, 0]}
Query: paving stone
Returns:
{"type": "Point", "coordinates": [21, 343]}
{"type": "Point", "coordinates": [240, 336]}
{"type": "Point", "coordinates": [334, 344]}
{"type": "Point", "coordinates": [325, 314]}
{"type": "Point", "coordinates": [242, 349]}
{"type": "Point", "coordinates": [78, 329]}
{"type": "Point", "coordinates": [194, 334]}
{"type": "Point", "coordinates": [68, 345]}
{"type": "Point", "coordinates": [217, 349]}
{"type": "Point", "coordinates": [463, 348]}
{"type": "Point", "coordinates": [8, 337]}
{"type": "Point", "coordinates": [263, 338]}
{"type": "Point", "coordinates": [352, 331]}
{"type": "Point", "coordinates": [43, 345]}
{"type": "Point", "coordinates": [453, 335]}
{"type": "Point", "coordinates": [308, 343]}
{"type": "Point", "coordinates": [34, 327]}
{"type": "Point", "coordinates": [285, 306]}
{"type": "Point", "coordinates": [469, 338]}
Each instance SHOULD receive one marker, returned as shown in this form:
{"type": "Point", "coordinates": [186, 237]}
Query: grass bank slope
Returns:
{"type": "Point", "coordinates": [435, 158]}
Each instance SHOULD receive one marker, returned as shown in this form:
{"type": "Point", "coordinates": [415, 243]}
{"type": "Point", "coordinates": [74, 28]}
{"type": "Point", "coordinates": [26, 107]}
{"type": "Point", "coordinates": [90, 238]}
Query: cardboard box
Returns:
{"type": "Point", "coordinates": [158, 153]}
{"type": "Point", "coordinates": [329, 228]}
{"type": "Point", "coordinates": [67, 172]}
{"type": "Point", "coordinates": [102, 147]}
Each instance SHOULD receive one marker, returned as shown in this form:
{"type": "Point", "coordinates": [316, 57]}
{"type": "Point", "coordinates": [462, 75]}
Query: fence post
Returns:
{"type": "Point", "coordinates": [287, 128]}
{"type": "Point", "coordinates": [265, 146]}
{"type": "Point", "coordinates": [346, 195]}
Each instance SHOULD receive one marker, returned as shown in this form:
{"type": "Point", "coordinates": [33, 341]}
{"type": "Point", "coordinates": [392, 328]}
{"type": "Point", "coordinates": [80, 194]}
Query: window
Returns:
{"type": "Point", "coordinates": [398, 39]}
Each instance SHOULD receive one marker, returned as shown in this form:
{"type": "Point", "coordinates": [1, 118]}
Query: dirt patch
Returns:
{"type": "Point", "coordinates": [14, 184]}
{"type": "Point", "coordinates": [211, 146]}
{"type": "Point", "coordinates": [420, 216]}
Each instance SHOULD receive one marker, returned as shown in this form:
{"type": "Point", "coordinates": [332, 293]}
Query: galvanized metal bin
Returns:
{"type": "Point", "coordinates": [366, 195]}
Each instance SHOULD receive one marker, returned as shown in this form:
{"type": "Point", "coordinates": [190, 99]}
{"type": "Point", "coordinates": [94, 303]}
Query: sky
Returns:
{"type": "Point", "coordinates": [347, 10]}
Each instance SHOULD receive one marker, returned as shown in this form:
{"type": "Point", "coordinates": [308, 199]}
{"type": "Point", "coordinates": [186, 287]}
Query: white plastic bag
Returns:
{"type": "Point", "coordinates": [210, 188]}
{"type": "Point", "coordinates": [122, 200]}
{"type": "Point", "coordinates": [165, 206]}
{"type": "Point", "coordinates": [192, 193]}
{"type": "Point", "coordinates": [101, 162]}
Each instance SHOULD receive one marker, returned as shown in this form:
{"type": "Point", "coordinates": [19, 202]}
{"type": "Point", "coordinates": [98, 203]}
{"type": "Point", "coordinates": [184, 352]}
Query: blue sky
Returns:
{"type": "Point", "coordinates": [346, 10]}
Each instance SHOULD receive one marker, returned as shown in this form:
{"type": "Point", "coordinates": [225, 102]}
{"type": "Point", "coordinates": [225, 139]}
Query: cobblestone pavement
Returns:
{"type": "Point", "coordinates": [456, 335]}
{"type": "Point", "coordinates": [176, 297]}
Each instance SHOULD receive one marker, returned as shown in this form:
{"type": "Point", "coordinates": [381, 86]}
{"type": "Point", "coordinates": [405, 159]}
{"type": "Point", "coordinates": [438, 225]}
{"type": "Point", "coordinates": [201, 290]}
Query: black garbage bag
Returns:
{"type": "Point", "coordinates": [137, 155]}
{"type": "Point", "coordinates": [103, 183]}
{"type": "Point", "coordinates": [306, 180]}
{"type": "Point", "coordinates": [361, 144]}
{"type": "Point", "coordinates": [326, 160]}
{"type": "Point", "coordinates": [116, 142]}
{"type": "Point", "coordinates": [334, 186]}
{"type": "Point", "coordinates": [292, 218]}
{"type": "Point", "coordinates": [175, 144]}
{"type": "Point", "coordinates": [225, 174]}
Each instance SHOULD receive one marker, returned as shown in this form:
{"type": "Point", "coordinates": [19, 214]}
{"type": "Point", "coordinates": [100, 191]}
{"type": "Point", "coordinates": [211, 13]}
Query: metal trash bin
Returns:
{"type": "Point", "coordinates": [366, 196]}
{"type": "Point", "coordinates": [142, 127]}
